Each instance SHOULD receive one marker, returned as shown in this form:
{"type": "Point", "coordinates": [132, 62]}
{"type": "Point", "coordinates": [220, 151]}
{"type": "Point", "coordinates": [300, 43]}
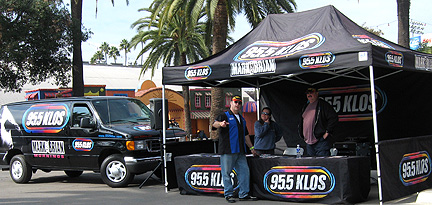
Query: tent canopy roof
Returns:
{"type": "Point", "coordinates": [284, 46]}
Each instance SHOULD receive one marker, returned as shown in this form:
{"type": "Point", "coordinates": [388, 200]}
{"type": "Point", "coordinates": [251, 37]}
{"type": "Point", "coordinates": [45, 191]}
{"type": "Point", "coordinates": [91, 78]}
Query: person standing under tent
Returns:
{"type": "Point", "coordinates": [317, 124]}
{"type": "Point", "coordinates": [267, 133]}
{"type": "Point", "coordinates": [233, 142]}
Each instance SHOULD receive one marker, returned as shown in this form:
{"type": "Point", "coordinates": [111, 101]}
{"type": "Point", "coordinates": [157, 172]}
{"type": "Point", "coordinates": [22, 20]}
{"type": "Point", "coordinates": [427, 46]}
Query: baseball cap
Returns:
{"type": "Point", "coordinates": [236, 98]}
{"type": "Point", "coordinates": [310, 90]}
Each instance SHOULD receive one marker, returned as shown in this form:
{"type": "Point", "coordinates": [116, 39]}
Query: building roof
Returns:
{"type": "Point", "coordinates": [113, 77]}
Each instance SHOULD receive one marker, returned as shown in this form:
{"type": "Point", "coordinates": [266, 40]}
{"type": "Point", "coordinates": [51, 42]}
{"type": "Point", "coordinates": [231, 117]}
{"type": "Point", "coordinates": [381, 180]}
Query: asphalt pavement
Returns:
{"type": "Point", "coordinates": [57, 188]}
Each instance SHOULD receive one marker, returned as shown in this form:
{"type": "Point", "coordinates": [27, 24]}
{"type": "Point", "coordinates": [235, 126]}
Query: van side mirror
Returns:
{"type": "Point", "coordinates": [86, 123]}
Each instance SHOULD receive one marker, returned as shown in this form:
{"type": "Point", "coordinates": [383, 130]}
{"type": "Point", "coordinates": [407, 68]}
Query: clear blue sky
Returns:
{"type": "Point", "coordinates": [112, 24]}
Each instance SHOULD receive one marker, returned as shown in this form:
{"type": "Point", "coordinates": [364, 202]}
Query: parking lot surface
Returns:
{"type": "Point", "coordinates": [57, 188]}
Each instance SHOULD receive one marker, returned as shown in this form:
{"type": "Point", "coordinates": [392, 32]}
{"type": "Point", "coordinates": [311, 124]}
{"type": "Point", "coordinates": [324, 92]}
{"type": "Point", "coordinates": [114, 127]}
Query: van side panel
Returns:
{"type": "Point", "coordinates": [7, 124]}
{"type": "Point", "coordinates": [42, 135]}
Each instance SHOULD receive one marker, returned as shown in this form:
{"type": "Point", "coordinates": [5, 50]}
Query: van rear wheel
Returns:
{"type": "Point", "coordinates": [19, 170]}
{"type": "Point", "coordinates": [114, 172]}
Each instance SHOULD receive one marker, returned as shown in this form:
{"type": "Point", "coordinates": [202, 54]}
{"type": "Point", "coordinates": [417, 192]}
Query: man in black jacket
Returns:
{"type": "Point", "coordinates": [317, 123]}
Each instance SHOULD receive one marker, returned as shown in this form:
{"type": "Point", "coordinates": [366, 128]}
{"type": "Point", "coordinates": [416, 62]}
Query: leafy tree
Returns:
{"type": "Point", "coordinates": [377, 32]}
{"type": "Point", "coordinates": [105, 47]}
{"type": "Point", "coordinates": [178, 42]}
{"type": "Point", "coordinates": [425, 48]}
{"type": "Point", "coordinates": [220, 15]}
{"type": "Point", "coordinates": [113, 53]}
{"type": "Point", "coordinates": [124, 45]}
{"type": "Point", "coordinates": [35, 43]}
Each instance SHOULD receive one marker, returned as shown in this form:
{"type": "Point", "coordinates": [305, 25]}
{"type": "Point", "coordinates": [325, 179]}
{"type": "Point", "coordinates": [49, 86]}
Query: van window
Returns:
{"type": "Point", "coordinates": [80, 111]}
{"type": "Point", "coordinates": [113, 111]}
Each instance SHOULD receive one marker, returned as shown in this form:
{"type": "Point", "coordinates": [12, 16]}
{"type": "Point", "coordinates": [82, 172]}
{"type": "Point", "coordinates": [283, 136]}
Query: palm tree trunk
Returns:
{"type": "Point", "coordinates": [220, 32]}
{"type": "Point", "coordinates": [403, 8]}
{"type": "Point", "coordinates": [77, 63]}
{"type": "Point", "coordinates": [187, 113]}
{"type": "Point", "coordinates": [125, 57]}
{"type": "Point", "coordinates": [186, 105]}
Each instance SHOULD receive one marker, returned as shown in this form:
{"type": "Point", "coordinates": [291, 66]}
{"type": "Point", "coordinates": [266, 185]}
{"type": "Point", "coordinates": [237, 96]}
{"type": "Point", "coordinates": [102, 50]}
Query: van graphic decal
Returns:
{"type": "Point", "coordinates": [47, 147]}
{"type": "Point", "coordinates": [81, 144]}
{"type": "Point", "coordinates": [45, 118]}
{"type": "Point", "coordinates": [7, 123]}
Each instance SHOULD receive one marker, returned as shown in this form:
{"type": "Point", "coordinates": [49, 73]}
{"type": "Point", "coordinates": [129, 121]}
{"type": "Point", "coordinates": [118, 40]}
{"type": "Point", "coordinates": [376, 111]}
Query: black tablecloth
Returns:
{"type": "Point", "coordinates": [325, 180]}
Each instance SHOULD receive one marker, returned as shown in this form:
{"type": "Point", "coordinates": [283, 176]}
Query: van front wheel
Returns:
{"type": "Point", "coordinates": [114, 172]}
{"type": "Point", "coordinates": [19, 170]}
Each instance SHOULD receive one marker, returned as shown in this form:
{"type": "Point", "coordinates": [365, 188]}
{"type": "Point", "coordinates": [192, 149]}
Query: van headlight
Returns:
{"type": "Point", "coordinates": [136, 145]}
{"type": "Point", "coordinates": [140, 145]}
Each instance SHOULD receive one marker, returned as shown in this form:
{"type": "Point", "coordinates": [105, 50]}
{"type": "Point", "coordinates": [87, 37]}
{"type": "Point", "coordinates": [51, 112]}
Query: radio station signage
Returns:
{"type": "Point", "coordinates": [198, 72]}
{"type": "Point", "coordinates": [354, 103]}
{"type": "Point", "coordinates": [414, 168]}
{"type": "Point", "coordinates": [299, 182]}
{"type": "Point", "coordinates": [81, 144]}
{"type": "Point", "coordinates": [316, 60]}
{"type": "Point", "coordinates": [395, 59]}
{"type": "Point", "coordinates": [208, 178]}
{"type": "Point", "coordinates": [45, 118]}
{"type": "Point", "coordinates": [47, 147]}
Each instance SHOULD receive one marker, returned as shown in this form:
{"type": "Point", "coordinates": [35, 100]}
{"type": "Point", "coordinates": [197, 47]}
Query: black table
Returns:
{"type": "Point", "coordinates": [338, 179]}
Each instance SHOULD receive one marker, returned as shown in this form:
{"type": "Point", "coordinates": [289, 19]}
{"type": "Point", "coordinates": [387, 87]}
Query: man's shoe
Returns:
{"type": "Point", "coordinates": [249, 198]}
{"type": "Point", "coordinates": [230, 199]}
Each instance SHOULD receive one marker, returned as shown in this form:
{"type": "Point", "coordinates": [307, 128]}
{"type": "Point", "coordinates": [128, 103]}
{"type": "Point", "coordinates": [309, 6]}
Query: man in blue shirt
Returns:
{"type": "Point", "coordinates": [267, 133]}
{"type": "Point", "coordinates": [233, 144]}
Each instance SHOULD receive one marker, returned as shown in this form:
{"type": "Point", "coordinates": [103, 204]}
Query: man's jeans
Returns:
{"type": "Point", "coordinates": [237, 162]}
{"type": "Point", "coordinates": [319, 149]}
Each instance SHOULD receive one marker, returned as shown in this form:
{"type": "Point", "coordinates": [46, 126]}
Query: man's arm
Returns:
{"type": "Point", "coordinates": [332, 119]}
{"type": "Point", "coordinates": [218, 124]}
{"type": "Point", "coordinates": [220, 121]}
{"type": "Point", "coordinates": [250, 145]}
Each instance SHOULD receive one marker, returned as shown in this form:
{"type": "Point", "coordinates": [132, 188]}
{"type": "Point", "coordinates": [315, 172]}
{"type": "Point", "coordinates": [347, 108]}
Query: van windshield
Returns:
{"type": "Point", "coordinates": [116, 111]}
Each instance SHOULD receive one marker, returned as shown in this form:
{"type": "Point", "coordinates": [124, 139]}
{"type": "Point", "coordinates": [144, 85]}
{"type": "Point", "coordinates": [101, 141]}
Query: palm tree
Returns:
{"type": "Point", "coordinates": [113, 53]}
{"type": "Point", "coordinates": [220, 15]}
{"type": "Point", "coordinates": [77, 38]}
{"type": "Point", "coordinates": [98, 57]}
{"type": "Point", "coordinates": [124, 45]}
{"type": "Point", "coordinates": [403, 8]}
{"type": "Point", "coordinates": [180, 41]}
{"type": "Point", "coordinates": [77, 64]}
{"type": "Point", "coordinates": [105, 50]}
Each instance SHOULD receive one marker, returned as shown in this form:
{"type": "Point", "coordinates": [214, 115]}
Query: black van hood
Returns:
{"type": "Point", "coordinates": [136, 130]}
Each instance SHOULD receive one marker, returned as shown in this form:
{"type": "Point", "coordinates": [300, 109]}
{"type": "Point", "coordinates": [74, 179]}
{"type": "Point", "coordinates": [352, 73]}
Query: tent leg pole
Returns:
{"type": "Point", "coordinates": [375, 126]}
{"type": "Point", "coordinates": [257, 90]}
{"type": "Point", "coordinates": [164, 120]}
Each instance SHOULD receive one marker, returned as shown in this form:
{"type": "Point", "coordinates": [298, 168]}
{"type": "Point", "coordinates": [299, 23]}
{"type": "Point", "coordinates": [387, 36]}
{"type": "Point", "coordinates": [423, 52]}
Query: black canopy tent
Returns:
{"type": "Point", "coordinates": [287, 53]}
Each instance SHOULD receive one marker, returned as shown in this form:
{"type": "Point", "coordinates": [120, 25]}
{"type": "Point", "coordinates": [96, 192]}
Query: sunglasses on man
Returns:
{"type": "Point", "coordinates": [238, 102]}
{"type": "Point", "coordinates": [265, 113]}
